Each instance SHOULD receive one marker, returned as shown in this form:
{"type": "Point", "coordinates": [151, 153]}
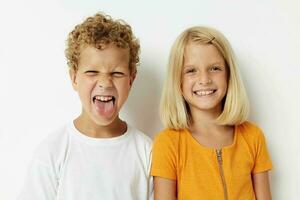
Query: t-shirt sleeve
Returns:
{"type": "Point", "coordinates": [262, 158]}
{"type": "Point", "coordinates": [164, 157]}
{"type": "Point", "coordinates": [41, 182]}
{"type": "Point", "coordinates": [150, 178]}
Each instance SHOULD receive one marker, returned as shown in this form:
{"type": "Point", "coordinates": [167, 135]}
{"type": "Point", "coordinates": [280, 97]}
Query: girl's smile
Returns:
{"type": "Point", "coordinates": [204, 77]}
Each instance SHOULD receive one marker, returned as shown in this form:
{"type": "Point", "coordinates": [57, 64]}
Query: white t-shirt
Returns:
{"type": "Point", "coordinates": [71, 166]}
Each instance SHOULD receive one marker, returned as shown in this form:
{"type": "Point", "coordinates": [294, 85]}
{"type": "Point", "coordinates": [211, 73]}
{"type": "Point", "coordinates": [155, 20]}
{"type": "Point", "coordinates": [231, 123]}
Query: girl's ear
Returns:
{"type": "Point", "coordinates": [180, 87]}
{"type": "Point", "coordinates": [73, 77]}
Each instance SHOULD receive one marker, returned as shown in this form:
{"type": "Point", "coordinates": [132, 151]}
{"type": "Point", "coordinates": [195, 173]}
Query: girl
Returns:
{"type": "Point", "coordinates": [209, 150]}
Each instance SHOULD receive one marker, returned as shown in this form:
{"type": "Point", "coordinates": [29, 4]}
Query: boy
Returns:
{"type": "Point", "coordinates": [97, 156]}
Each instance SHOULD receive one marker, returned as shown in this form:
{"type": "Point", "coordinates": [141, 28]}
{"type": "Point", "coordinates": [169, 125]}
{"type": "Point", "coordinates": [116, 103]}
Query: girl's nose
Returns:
{"type": "Point", "coordinates": [204, 79]}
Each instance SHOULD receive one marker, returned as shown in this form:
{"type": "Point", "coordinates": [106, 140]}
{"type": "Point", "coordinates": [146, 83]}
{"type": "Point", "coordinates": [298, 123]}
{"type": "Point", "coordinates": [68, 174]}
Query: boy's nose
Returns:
{"type": "Point", "coordinates": [104, 81]}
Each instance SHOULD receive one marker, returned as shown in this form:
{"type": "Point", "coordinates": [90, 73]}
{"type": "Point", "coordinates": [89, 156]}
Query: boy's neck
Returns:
{"type": "Point", "coordinates": [91, 129]}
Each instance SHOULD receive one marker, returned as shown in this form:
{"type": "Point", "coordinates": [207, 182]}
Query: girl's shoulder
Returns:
{"type": "Point", "coordinates": [247, 125]}
{"type": "Point", "coordinates": [168, 136]}
{"type": "Point", "coordinates": [250, 131]}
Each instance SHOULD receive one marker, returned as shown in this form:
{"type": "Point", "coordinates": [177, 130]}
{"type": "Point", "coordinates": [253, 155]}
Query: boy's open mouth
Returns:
{"type": "Point", "coordinates": [104, 104]}
{"type": "Point", "coordinates": [104, 99]}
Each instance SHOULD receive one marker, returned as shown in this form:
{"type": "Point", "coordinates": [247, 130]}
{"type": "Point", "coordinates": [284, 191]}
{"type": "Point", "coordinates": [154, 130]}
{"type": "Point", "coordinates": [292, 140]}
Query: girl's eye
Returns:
{"type": "Point", "coordinates": [215, 68]}
{"type": "Point", "coordinates": [118, 74]}
{"type": "Point", "coordinates": [190, 71]}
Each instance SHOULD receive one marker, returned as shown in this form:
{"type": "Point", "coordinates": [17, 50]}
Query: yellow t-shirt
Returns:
{"type": "Point", "coordinates": [178, 156]}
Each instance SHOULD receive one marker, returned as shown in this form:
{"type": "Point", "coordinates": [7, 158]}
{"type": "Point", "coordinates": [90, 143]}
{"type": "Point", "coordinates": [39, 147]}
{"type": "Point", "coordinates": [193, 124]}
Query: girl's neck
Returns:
{"type": "Point", "coordinates": [205, 118]}
{"type": "Point", "coordinates": [205, 122]}
{"type": "Point", "coordinates": [210, 128]}
{"type": "Point", "coordinates": [208, 133]}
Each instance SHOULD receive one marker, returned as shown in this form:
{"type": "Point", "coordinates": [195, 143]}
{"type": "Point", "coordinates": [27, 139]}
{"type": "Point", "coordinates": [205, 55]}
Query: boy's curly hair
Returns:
{"type": "Point", "coordinates": [98, 31]}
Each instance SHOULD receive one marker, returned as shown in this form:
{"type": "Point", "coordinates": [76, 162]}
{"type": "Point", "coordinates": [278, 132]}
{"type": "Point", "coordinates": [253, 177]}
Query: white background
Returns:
{"type": "Point", "coordinates": [36, 94]}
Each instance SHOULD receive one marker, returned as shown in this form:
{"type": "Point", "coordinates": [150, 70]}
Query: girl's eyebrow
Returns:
{"type": "Point", "coordinates": [217, 63]}
{"type": "Point", "coordinates": [188, 65]}
{"type": "Point", "coordinates": [220, 62]}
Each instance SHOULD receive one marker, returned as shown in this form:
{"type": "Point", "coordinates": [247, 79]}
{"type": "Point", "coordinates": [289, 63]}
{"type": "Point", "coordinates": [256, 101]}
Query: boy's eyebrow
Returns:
{"type": "Point", "coordinates": [87, 66]}
{"type": "Point", "coordinates": [98, 68]}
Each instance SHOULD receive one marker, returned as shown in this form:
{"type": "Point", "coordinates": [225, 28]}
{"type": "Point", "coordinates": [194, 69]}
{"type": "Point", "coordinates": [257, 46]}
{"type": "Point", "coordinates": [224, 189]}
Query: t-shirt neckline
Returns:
{"type": "Point", "coordinates": [99, 141]}
{"type": "Point", "coordinates": [235, 132]}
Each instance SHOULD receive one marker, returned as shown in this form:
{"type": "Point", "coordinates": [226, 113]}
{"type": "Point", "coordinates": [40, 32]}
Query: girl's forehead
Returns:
{"type": "Point", "coordinates": [206, 53]}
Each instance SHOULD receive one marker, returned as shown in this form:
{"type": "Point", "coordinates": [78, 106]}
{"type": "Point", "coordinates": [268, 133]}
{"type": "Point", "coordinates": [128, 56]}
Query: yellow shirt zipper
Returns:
{"type": "Point", "coordinates": [220, 162]}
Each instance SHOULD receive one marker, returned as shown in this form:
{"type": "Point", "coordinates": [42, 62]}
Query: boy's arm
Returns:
{"type": "Point", "coordinates": [41, 182]}
{"type": "Point", "coordinates": [164, 189]}
{"type": "Point", "coordinates": [262, 186]}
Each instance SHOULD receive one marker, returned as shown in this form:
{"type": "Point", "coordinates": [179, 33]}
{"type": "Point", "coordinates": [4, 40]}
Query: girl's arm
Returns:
{"type": "Point", "coordinates": [262, 186]}
{"type": "Point", "coordinates": [164, 189]}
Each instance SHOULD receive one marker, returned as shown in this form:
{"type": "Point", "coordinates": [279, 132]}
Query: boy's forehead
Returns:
{"type": "Point", "coordinates": [108, 55]}
{"type": "Point", "coordinates": [102, 48]}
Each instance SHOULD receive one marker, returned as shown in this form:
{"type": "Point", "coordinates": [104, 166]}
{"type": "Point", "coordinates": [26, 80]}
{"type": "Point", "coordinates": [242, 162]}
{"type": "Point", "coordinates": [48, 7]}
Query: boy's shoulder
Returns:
{"type": "Point", "coordinates": [54, 144]}
{"type": "Point", "coordinates": [58, 134]}
{"type": "Point", "coordinates": [139, 136]}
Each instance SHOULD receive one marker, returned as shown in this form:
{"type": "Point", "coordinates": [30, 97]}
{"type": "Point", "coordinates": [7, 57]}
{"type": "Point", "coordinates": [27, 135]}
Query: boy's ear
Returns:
{"type": "Point", "coordinates": [132, 77]}
{"type": "Point", "coordinates": [73, 75]}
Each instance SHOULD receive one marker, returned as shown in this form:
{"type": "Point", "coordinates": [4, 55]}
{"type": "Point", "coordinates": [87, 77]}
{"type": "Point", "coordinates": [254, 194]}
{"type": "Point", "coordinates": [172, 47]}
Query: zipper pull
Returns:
{"type": "Point", "coordinates": [219, 155]}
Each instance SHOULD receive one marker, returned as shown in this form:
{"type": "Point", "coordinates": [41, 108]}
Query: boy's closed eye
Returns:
{"type": "Point", "coordinates": [91, 72]}
{"type": "Point", "coordinates": [118, 74]}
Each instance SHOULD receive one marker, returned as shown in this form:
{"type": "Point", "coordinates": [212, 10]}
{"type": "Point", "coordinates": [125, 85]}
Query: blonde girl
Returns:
{"type": "Point", "coordinates": [209, 150]}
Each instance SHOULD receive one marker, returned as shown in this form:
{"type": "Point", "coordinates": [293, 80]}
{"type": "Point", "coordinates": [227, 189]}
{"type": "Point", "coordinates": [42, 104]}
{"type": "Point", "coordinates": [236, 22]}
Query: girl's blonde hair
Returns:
{"type": "Point", "coordinates": [174, 109]}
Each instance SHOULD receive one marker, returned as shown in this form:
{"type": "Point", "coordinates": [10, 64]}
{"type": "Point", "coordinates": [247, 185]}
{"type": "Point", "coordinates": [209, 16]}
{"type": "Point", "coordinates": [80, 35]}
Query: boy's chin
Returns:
{"type": "Point", "coordinates": [105, 121]}
{"type": "Point", "coordinates": [96, 118]}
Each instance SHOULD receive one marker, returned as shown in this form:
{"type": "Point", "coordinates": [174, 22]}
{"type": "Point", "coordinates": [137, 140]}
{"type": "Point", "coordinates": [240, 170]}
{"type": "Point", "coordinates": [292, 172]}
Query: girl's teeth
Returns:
{"type": "Point", "coordinates": [204, 93]}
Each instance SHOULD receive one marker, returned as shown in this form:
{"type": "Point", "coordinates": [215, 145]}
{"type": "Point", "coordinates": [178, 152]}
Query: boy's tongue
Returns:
{"type": "Point", "coordinates": [104, 108]}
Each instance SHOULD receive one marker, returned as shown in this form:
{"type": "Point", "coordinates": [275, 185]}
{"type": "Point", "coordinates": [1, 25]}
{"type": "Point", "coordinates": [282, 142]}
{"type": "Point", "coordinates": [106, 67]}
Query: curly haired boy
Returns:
{"type": "Point", "coordinates": [97, 155]}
